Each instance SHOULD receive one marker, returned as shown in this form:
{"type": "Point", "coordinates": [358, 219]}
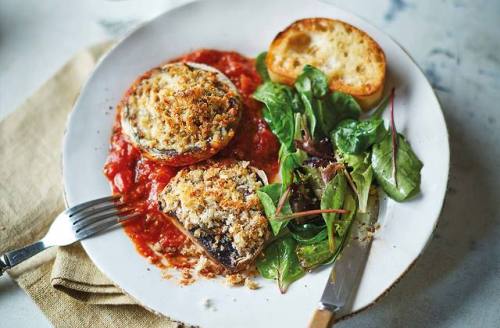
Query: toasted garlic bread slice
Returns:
{"type": "Point", "coordinates": [353, 62]}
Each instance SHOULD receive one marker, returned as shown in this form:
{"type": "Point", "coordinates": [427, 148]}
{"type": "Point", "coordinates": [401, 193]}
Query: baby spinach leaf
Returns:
{"type": "Point", "coordinates": [297, 105]}
{"type": "Point", "coordinates": [269, 196]}
{"type": "Point", "coordinates": [312, 80]}
{"type": "Point", "coordinates": [333, 197]}
{"type": "Point", "coordinates": [307, 233]}
{"type": "Point", "coordinates": [326, 117]}
{"type": "Point", "coordinates": [280, 262]}
{"type": "Point", "coordinates": [345, 106]}
{"type": "Point", "coordinates": [321, 235]}
{"type": "Point", "coordinates": [354, 137]}
{"type": "Point", "coordinates": [290, 160]}
{"type": "Point", "coordinates": [278, 110]}
{"type": "Point", "coordinates": [362, 175]}
{"type": "Point", "coordinates": [324, 110]}
{"type": "Point", "coordinates": [315, 254]}
{"type": "Point", "coordinates": [260, 64]}
{"type": "Point", "coordinates": [342, 225]}
{"type": "Point", "coordinates": [319, 252]}
{"type": "Point", "coordinates": [408, 168]}
{"type": "Point", "coordinates": [312, 86]}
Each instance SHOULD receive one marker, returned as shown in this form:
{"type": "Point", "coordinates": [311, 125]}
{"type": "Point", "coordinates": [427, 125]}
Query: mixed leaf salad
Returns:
{"type": "Point", "coordinates": [331, 160]}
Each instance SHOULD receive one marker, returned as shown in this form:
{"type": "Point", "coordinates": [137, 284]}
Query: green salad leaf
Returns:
{"type": "Point", "coordinates": [307, 233]}
{"type": "Point", "coordinates": [362, 176]}
{"type": "Point", "coordinates": [280, 262]}
{"type": "Point", "coordinates": [315, 254]}
{"type": "Point", "coordinates": [290, 160]}
{"type": "Point", "coordinates": [333, 197]}
{"type": "Point", "coordinates": [297, 105]}
{"type": "Point", "coordinates": [316, 251]}
{"type": "Point", "coordinates": [260, 64]}
{"type": "Point", "coordinates": [342, 225]}
{"type": "Point", "coordinates": [354, 137]}
{"type": "Point", "coordinates": [301, 117]}
{"type": "Point", "coordinates": [408, 168]}
{"type": "Point", "coordinates": [312, 86]}
{"type": "Point", "coordinates": [312, 80]}
{"type": "Point", "coordinates": [278, 110]}
{"type": "Point", "coordinates": [269, 196]}
{"type": "Point", "coordinates": [313, 177]}
{"type": "Point", "coordinates": [302, 240]}
{"type": "Point", "coordinates": [326, 117]}
{"type": "Point", "coordinates": [345, 106]}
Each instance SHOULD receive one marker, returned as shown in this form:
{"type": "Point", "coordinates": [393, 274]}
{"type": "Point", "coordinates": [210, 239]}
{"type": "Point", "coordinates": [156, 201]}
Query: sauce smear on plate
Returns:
{"type": "Point", "coordinates": [139, 179]}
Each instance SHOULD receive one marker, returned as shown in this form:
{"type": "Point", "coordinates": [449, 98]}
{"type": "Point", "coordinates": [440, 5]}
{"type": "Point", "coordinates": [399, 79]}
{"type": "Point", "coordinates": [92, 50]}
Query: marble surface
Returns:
{"type": "Point", "coordinates": [456, 282]}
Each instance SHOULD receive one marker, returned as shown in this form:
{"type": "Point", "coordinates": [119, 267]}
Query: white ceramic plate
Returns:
{"type": "Point", "coordinates": [248, 27]}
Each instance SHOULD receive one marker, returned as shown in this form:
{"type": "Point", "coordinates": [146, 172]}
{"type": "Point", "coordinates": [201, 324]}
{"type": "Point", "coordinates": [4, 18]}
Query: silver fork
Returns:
{"type": "Point", "coordinates": [74, 224]}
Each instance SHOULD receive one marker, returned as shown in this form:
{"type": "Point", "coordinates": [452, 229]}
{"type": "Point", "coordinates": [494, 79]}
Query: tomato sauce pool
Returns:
{"type": "Point", "coordinates": [139, 179]}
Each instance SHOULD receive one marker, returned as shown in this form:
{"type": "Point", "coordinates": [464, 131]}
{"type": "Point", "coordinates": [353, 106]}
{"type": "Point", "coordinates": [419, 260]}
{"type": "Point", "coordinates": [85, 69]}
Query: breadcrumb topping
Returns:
{"type": "Point", "coordinates": [217, 204]}
{"type": "Point", "coordinates": [181, 108]}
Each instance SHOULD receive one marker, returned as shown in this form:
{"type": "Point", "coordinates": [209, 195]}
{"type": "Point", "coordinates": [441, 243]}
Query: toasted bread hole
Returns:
{"type": "Point", "coordinates": [345, 53]}
{"type": "Point", "coordinates": [336, 76]}
{"type": "Point", "coordinates": [312, 49]}
{"type": "Point", "coordinates": [295, 63]}
{"type": "Point", "coordinates": [299, 42]}
{"type": "Point", "coordinates": [360, 69]}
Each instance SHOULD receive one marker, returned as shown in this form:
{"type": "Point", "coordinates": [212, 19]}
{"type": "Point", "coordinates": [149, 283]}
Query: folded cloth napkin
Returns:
{"type": "Point", "coordinates": [63, 282]}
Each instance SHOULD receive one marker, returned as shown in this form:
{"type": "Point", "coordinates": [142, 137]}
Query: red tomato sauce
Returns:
{"type": "Point", "coordinates": [139, 179]}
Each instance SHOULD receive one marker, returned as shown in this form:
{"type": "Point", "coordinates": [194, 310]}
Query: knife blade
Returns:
{"type": "Point", "coordinates": [346, 273]}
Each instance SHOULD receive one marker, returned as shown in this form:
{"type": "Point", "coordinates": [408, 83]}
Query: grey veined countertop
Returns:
{"type": "Point", "coordinates": [456, 282]}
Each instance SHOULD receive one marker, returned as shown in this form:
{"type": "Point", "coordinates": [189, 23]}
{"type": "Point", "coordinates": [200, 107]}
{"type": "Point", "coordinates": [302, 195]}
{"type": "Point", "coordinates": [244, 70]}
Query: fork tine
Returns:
{"type": "Point", "coordinates": [103, 225]}
{"type": "Point", "coordinates": [89, 220]}
{"type": "Point", "coordinates": [96, 202]}
{"type": "Point", "coordinates": [91, 211]}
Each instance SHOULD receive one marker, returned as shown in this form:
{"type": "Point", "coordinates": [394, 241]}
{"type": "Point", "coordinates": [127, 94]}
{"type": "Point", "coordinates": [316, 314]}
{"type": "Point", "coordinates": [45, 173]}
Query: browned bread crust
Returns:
{"type": "Point", "coordinates": [353, 62]}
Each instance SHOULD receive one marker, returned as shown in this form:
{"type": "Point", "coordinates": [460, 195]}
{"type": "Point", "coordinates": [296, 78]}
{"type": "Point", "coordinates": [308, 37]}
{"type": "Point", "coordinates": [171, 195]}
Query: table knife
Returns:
{"type": "Point", "coordinates": [346, 273]}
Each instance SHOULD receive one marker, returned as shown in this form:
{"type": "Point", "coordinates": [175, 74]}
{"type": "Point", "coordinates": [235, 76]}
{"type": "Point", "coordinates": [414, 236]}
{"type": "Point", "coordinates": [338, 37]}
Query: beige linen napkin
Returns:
{"type": "Point", "coordinates": [63, 282]}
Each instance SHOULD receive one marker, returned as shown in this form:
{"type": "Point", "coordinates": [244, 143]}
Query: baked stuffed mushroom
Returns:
{"type": "Point", "coordinates": [181, 113]}
{"type": "Point", "coordinates": [217, 206]}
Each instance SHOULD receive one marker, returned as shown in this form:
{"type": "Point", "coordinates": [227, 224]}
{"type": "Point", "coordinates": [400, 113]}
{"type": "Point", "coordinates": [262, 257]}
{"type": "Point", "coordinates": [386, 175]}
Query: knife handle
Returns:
{"type": "Point", "coordinates": [322, 318]}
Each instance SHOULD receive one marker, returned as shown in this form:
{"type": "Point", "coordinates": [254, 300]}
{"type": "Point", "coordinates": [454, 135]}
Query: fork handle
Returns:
{"type": "Point", "coordinates": [12, 258]}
